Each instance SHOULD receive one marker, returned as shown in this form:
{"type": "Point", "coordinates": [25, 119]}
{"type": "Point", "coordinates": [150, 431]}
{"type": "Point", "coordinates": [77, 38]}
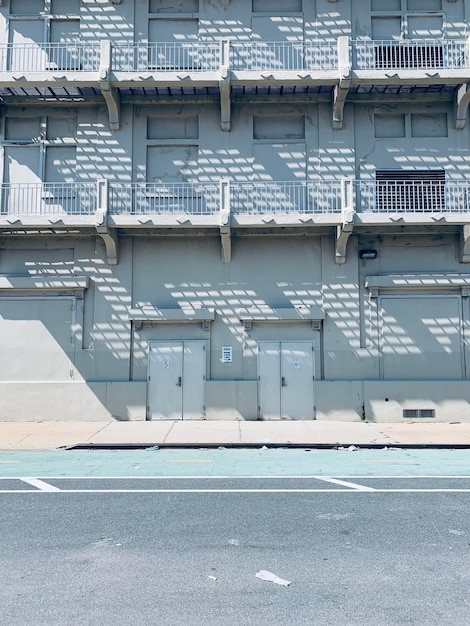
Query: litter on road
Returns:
{"type": "Point", "coordinates": [272, 578]}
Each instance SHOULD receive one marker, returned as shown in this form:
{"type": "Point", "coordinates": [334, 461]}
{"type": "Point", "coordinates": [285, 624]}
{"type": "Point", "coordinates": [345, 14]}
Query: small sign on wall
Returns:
{"type": "Point", "coordinates": [226, 354]}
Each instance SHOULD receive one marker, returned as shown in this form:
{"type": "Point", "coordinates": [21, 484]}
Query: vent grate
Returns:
{"type": "Point", "coordinates": [417, 413]}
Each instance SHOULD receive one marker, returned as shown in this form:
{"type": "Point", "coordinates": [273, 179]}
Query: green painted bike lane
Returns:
{"type": "Point", "coordinates": [230, 462]}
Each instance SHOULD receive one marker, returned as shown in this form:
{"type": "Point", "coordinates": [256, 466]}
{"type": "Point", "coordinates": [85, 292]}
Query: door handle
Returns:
{"type": "Point", "coordinates": [283, 382]}
{"type": "Point", "coordinates": [178, 384]}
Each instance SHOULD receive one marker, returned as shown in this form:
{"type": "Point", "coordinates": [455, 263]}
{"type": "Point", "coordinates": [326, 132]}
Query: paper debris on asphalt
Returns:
{"type": "Point", "coordinates": [212, 577]}
{"type": "Point", "coordinates": [272, 578]}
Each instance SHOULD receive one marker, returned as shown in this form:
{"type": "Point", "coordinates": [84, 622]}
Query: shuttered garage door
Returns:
{"type": "Point", "coordinates": [36, 339]}
{"type": "Point", "coordinates": [421, 337]}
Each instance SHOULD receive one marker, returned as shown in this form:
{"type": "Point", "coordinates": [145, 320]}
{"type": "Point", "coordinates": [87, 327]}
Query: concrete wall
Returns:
{"type": "Point", "coordinates": [365, 352]}
{"type": "Point", "coordinates": [78, 353]}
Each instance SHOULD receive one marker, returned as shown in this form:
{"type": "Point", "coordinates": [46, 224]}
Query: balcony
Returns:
{"type": "Point", "coordinates": [423, 54]}
{"type": "Point", "coordinates": [50, 57]}
{"type": "Point", "coordinates": [275, 201]}
{"type": "Point", "coordinates": [322, 202]}
{"type": "Point", "coordinates": [339, 206]}
{"type": "Point", "coordinates": [414, 201]}
{"type": "Point", "coordinates": [166, 57]}
{"type": "Point", "coordinates": [226, 69]}
{"type": "Point", "coordinates": [43, 204]}
{"type": "Point", "coordinates": [168, 204]}
{"type": "Point", "coordinates": [290, 56]}
{"type": "Point", "coordinates": [411, 65]}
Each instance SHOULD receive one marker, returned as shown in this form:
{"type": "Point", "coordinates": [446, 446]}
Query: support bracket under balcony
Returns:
{"type": "Point", "coordinates": [111, 97]}
{"type": "Point", "coordinates": [109, 238]}
{"type": "Point", "coordinates": [225, 221]}
{"type": "Point", "coordinates": [225, 88]}
{"type": "Point", "coordinates": [465, 257]}
{"type": "Point", "coordinates": [109, 93]}
{"type": "Point", "coordinates": [463, 100]}
{"type": "Point", "coordinates": [341, 90]}
{"type": "Point", "coordinates": [108, 235]}
{"type": "Point", "coordinates": [339, 98]}
{"type": "Point", "coordinates": [344, 230]}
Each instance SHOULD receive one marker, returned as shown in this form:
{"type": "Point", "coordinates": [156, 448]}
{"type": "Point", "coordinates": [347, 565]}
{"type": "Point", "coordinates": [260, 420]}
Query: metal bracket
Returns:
{"type": "Point", "coordinates": [109, 93]}
{"type": "Point", "coordinates": [109, 236]}
{"type": "Point", "coordinates": [225, 87]}
{"type": "Point", "coordinates": [465, 256]}
{"type": "Point", "coordinates": [341, 90]}
{"type": "Point", "coordinates": [344, 230]}
{"type": "Point", "coordinates": [225, 221]}
{"type": "Point", "coordinates": [463, 100]}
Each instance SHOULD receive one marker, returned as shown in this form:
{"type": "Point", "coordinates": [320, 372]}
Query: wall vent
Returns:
{"type": "Point", "coordinates": [417, 413]}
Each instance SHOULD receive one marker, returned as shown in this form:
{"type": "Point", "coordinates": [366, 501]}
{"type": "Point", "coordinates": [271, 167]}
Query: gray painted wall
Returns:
{"type": "Point", "coordinates": [74, 352]}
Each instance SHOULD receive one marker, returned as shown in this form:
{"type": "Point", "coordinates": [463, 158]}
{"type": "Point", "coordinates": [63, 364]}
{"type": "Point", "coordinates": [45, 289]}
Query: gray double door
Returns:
{"type": "Point", "coordinates": [176, 379]}
{"type": "Point", "coordinates": [286, 380]}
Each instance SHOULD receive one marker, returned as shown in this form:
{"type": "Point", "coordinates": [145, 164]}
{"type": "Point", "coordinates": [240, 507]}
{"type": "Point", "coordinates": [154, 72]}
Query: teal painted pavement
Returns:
{"type": "Point", "coordinates": [268, 462]}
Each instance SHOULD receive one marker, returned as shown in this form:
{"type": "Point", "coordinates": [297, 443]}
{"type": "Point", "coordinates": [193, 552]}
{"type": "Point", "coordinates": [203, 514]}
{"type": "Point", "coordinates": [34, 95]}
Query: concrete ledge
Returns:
{"type": "Point", "coordinates": [231, 400]}
{"type": "Point", "coordinates": [385, 400]}
{"type": "Point", "coordinates": [69, 401]}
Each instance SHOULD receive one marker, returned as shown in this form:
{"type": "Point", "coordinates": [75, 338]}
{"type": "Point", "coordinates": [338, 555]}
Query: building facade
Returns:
{"type": "Point", "coordinates": [235, 209]}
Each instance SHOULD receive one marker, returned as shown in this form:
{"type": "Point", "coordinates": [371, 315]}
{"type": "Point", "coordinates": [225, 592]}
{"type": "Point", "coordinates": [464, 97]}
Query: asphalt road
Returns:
{"type": "Point", "coordinates": [373, 549]}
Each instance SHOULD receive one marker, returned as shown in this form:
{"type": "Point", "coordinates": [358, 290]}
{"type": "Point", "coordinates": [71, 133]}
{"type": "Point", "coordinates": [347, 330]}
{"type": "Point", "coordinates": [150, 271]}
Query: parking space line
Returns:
{"type": "Point", "coordinates": [40, 484]}
{"type": "Point", "coordinates": [345, 483]}
{"type": "Point", "coordinates": [231, 491]}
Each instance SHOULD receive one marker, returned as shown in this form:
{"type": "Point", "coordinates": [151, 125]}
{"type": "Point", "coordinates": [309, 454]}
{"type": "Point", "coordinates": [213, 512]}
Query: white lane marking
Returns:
{"type": "Point", "coordinates": [40, 484]}
{"type": "Point", "coordinates": [356, 491]}
{"type": "Point", "coordinates": [345, 483]}
{"type": "Point", "coordinates": [241, 477]}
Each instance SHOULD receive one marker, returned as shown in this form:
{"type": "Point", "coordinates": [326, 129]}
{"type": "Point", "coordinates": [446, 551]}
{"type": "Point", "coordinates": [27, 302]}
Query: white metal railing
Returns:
{"type": "Point", "coordinates": [283, 55]}
{"type": "Point", "coordinates": [203, 56]}
{"type": "Point", "coordinates": [48, 199]}
{"type": "Point", "coordinates": [163, 198]}
{"type": "Point", "coordinates": [412, 196]}
{"type": "Point", "coordinates": [189, 56]}
{"type": "Point", "coordinates": [258, 198]}
{"type": "Point", "coordinates": [410, 54]}
{"type": "Point", "coordinates": [43, 57]}
{"type": "Point", "coordinates": [245, 198]}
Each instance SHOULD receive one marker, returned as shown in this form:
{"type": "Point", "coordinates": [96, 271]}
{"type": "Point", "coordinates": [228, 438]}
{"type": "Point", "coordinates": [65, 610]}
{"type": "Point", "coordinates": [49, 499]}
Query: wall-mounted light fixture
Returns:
{"type": "Point", "coordinates": [368, 254]}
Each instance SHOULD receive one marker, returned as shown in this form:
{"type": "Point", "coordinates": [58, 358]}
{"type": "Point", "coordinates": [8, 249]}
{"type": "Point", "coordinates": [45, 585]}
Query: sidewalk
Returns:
{"type": "Point", "coordinates": [50, 435]}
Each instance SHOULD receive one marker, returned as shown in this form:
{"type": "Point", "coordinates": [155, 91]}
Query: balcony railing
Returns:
{"type": "Point", "coordinates": [210, 56]}
{"type": "Point", "coordinates": [37, 199]}
{"type": "Point", "coordinates": [263, 198]}
{"type": "Point", "coordinates": [283, 55]}
{"type": "Point", "coordinates": [166, 57]}
{"type": "Point", "coordinates": [412, 197]}
{"type": "Point", "coordinates": [258, 198]}
{"type": "Point", "coordinates": [164, 198]}
{"type": "Point", "coordinates": [420, 54]}
{"type": "Point", "coordinates": [43, 57]}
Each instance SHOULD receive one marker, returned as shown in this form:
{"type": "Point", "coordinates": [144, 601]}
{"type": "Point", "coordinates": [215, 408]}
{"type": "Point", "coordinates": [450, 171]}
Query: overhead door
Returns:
{"type": "Point", "coordinates": [421, 337]}
{"type": "Point", "coordinates": [36, 339]}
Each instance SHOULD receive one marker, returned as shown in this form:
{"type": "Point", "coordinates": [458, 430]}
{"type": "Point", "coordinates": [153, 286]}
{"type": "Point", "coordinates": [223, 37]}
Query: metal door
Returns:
{"type": "Point", "coordinates": [176, 378]}
{"type": "Point", "coordinates": [286, 380]}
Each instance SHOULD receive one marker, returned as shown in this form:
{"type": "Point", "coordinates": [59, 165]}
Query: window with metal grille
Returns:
{"type": "Point", "coordinates": [410, 190]}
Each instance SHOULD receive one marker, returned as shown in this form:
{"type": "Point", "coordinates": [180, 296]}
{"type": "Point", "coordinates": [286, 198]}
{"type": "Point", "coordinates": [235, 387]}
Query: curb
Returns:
{"type": "Point", "coordinates": [269, 445]}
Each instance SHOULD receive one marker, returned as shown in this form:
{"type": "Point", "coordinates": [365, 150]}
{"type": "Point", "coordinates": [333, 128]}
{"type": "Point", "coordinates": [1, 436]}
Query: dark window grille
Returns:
{"type": "Point", "coordinates": [410, 191]}
{"type": "Point", "coordinates": [409, 56]}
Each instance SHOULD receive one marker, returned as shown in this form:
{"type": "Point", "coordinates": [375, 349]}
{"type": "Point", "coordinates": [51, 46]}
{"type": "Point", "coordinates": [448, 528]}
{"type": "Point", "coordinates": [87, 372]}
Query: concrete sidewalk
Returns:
{"type": "Point", "coordinates": [50, 435]}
